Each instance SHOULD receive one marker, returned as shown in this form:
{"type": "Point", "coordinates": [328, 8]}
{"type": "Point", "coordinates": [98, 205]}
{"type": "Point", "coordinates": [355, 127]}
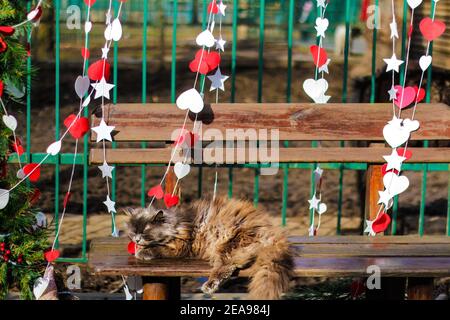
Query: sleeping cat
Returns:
{"type": "Point", "coordinates": [230, 234]}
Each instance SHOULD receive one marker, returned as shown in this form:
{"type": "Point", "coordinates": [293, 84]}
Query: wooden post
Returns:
{"type": "Point", "coordinates": [420, 288]}
{"type": "Point", "coordinates": [157, 288]}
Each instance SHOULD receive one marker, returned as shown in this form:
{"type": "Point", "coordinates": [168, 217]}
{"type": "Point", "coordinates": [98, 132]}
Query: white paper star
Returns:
{"type": "Point", "coordinates": [103, 131]}
{"type": "Point", "coordinates": [222, 8]}
{"type": "Point", "coordinates": [392, 93]}
{"type": "Point", "coordinates": [385, 199]}
{"type": "Point", "coordinates": [108, 18]}
{"type": "Point", "coordinates": [394, 161]}
{"type": "Point", "coordinates": [394, 31]}
{"type": "Point", "coordinates": [321, 3]}
{"type": "Point", "coordinates": [314, 203]}
{"type": "Point", "coordinates": [220, 43]}
{"type": "Point", "coordinates": [110, 204]}
{"type": "Point", "coordinates": [393, 63]}
{"type": "Point", "coordinates": [105, 51]}
{"type": "Point", "coordinates": [102, 89]}
{"type": "Point", "coordinates": [217, 81]}
{"type": "Point", "coordinates": [106, 170]}
{"type": "Point", "coordinates": [369, 229]}
{"type": "Point", "coordinates": [324, 67]}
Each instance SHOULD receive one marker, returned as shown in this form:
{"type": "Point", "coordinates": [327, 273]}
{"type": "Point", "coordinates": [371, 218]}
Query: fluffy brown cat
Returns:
{"type": "Point", "coordinates": [230, 234]}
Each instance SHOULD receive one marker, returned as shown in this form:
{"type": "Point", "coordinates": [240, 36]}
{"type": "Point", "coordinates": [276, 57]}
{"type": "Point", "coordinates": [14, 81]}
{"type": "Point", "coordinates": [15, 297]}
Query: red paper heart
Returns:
{"type": "Point", "coordinates": [201, 54]}
{"type": "Point", "coordinates": [409, 95]}
{"type": "Point", "coordinates": [384, 171]}
{"type": "Point", "coordinates": [171, 200]}
{"type": "Point", "coordinates": [85, 53]}
{"type": "Point", "coordinates": [66, 199]}
{"type": "Point", "coordinates": [194, 66]}
{"type": "Point", "coordinates": [1, 88]}
{"type": "Point", "coordinates": [38, 14]}
{"type": "Point", "coordinates": [191, 138]}
{"type": "Point", "coordinates": [99, 69]}
{"type": "Point", "coordinates": [51, 255]}
{"type": "Point", "coordinates": [421, 95]}
{"type": "Point", "coordinates": [381, 223]}
{"type": "Point", "coordinates": [89, 3]}
{"type": "Point", "coordinates": [17, 147]}
{"type": "Point", "coordinates": [431, 29]}
{"type": "Point", "coordinates": [212, 7]}
{"type": "Point", "coordinates": [7, 30]}
{"type": "Point", "coordinates": [401, 152]}
{"type": "Point", "coordinates": [320, 56]}
{"type": "Point", "coordinates": [3, 45]}
{"type": "Point", "coordinates": [213, 60]}
{"type": "Point", "coordinates": [131, 248]}
{"type": "Point", "coordinates": [35, 196]}
{"type": "Point", "coordinates": [33, 170]}
{"type": "Point", "coordinates": [79, 128]}
{"type": "Point", "coordinates": [156, 192]}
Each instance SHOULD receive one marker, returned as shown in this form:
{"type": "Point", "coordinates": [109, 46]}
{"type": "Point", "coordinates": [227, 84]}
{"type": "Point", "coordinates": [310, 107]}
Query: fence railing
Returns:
{"type": "Point", "coordinates": [259, 10]}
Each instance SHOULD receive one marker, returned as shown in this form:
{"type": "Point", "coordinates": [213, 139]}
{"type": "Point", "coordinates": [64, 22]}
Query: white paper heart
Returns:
{"type": "Point", "coordinates": [322, 208]}
{"type": "Point", "coordinates": [116, 29]}
{"type": "Point", "coordinates": [41, 220]}
{"type": "Point", "coordinates": [87, 27]}
{"type": "Point", "coordinates": [316, 89]}
{"type": "Point", "coordinates": [10, 122]}
{"type": "Point", "coordinates": [206, 39]}
{"type": "Point", "coordinates": [181, 170]}
{"type": "Point", "coordinates": [32, 14]}
{"type": "Point", "coordinates": [39, 287]}
{"type": "Point", "coordinates": [395, 135]}
{"type": "Point", "coordinates": [395, 184]}
{"type": "Point", "coordinates": [414, 3]}
{"type": "Point", "coordinates": [4, 198]}
{"type": "Point", "coordinates": [54, 148]}
{"type": "Point", "coordinates": [108, 32]}
{"type": "Point", "coordinates": [82, 85]}
{"type": "Point", "coordinates": [425, 62]}
{"type": "Point", "coordinates": [322, 99]}
{"type": "Point", "coordinates": [191, 100]}
{"type": "Point", "coordinates": [20, 174]}
{"type": "Point", "coordinates": [411, 125]}
{"type": "Point", "coordinates": [322, 23]}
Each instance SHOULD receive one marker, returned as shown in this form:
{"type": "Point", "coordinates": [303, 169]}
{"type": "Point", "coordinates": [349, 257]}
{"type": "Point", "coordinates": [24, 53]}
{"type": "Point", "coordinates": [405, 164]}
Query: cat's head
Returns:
{"type": "Point", "coordinates": [150, 227]}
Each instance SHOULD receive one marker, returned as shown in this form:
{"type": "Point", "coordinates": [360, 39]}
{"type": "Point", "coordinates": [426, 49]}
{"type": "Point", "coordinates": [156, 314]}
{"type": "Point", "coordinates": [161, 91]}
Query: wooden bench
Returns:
{"type": "Point", "coordinates": [420, 259]}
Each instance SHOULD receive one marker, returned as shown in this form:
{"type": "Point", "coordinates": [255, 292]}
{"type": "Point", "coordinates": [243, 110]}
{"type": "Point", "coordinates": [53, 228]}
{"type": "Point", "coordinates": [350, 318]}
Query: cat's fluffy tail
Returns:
{"type": "Point", "coordinates": [272, 272]}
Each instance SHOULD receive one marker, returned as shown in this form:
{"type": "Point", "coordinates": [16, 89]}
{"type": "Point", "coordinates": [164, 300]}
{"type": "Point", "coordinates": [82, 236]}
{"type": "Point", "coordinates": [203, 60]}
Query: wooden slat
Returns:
{"type": "Point", "coordinates": [297, 121]}
{"type": "Point", "coordinates": [318, 256]}
{"type": "Point", "coordinates": [286, 155]}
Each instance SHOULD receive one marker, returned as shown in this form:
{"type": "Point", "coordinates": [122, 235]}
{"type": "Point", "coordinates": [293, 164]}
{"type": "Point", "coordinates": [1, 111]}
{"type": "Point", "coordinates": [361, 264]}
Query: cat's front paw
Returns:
{"type": "Point", "coordinates": [143, 255]}
{"type": "Point", "coordinates": [210, 286]}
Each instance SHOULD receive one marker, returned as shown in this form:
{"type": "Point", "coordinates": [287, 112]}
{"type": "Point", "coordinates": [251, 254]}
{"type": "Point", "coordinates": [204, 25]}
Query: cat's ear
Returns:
{"type": "Point", "coordinates": [129, 212]}
{"type": "Point", "coordinates": [159, 217]}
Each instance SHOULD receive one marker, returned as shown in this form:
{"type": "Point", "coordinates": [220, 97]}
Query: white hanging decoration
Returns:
{"type": "Point", "coordinates": [190, 99]}
{"type": "Point", "coordinates": [10, 122]}
{"type": "Point", "coordinates": [4, 198]}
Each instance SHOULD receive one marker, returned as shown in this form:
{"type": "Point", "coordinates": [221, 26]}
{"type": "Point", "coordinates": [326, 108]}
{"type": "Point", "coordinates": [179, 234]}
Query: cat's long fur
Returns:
{"type": "Point", "coordinates": [230, 234]}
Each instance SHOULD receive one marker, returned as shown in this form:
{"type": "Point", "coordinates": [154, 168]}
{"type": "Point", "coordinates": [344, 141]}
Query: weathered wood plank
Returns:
{"type": "Point", "coordinates": [411, 239]}
{"type": "Point", "coordinates": [296, 121]}
{"type": "Point", "coordinates": [286, 155]}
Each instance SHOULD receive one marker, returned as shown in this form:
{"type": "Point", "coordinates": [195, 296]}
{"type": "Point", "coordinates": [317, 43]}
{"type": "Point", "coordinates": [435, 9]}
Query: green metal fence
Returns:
{"type": "Point", "coordinates": [289, 9]}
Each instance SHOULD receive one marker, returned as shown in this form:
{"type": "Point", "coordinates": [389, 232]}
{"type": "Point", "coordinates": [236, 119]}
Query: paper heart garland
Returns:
{"type": "Point", "coordinates": [319, 55]}
{"type": "Point", "coordinates": [322, 208]}
{"type": "Point", "coordinates": [181, 169]}
{"type": "Point", "coordinates": [34, 14]}
{"type": "Point", "coordinates": [113, 31]}
{"type": "Point", "coordinates": [39, 287]}
{"type": "Point", "coordinates": [404, 153]}
{"type": "Point", "coordinates": [79, 128]}
{"type": "Point", "coordinates": [54, 148]}
{"type": "Point", "coordinates": [316, 89]}
{"type": "Point", "coordinates": [431, 29]}
{"type": "Point", "coordinates": [87, 27]}
{"type": "Point", "coordinates": [51, 255]}
{"type": "Point", "coordinates": [33, 170]}
{"type": "Point", "coordinates": [20, 174]}
{"type": "Point", "coordinates": [10, 122]}
{"type": "Point", "coordinates": [18, 148]}
{"type": "Point", "coordinates": [384, 169]}
{"type": "Point", "coordinates": [414, 3]}
{"type": "Point", "coordinates": [395, 184]}
{"type": "Point", "coordinates": [425, 62]}
{"type": "Point", "coordinates": [395, 135]}
{"type": "Point", "coordinates": [66, 199]}
{"type": "Point", "coordinates": [191, 100]}
{"type": "Point", "coordinates": [199, 66]}
{"type": "Point", "coordinates": [156, 192]}
{"type": "Point", "coordinates": [171, 200]}
{"type": "Point", "coordinates": [204, 62]}
{"type": "Point", "coordinates": [82, 85]}
{"type": "Point", "coordinates": [213, 7]}
{"type": "Point", "coordinates": [205, 39]}
{"type": "Point", "coordinates": [321, 26]}
{"type": "Point", "coordinates": [131, 248]}
{"type": "Point", "coordinates": [420, 93]}
{"type": "Point", "coordinates": [411, 125]}
{"type": "Point", "coordinates": [98, 69]}
{"type": "Point", "coordinates": [405, 96]}
{"type": "Point", "coordinates": [381, 223]}
{"type": "Point", "coordinates": [85, 53]}
{"type": "Point", "coordinates": [4, 198]}
{"type": "Point", "coordinates": [7, 31]}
